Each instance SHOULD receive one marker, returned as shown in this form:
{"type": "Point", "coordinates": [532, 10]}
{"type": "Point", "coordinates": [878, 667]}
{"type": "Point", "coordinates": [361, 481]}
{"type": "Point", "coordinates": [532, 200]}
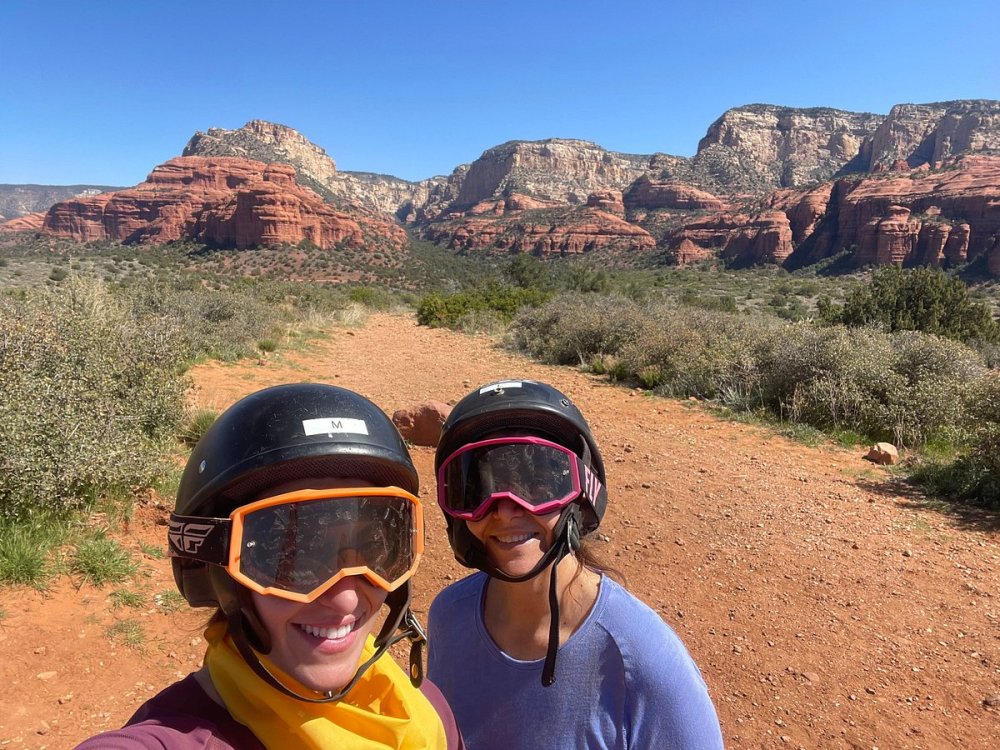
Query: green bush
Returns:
{"type": "Point", "coordinates": [90, 394]}
{"type": "Point", "coordinates": [196, 426]}
{"type": "Point", "coordinates": [576, 328]}
{"type": "Point", "coordinates": [438, 309]}
{"type": "Point", "coordinates": [376, 298]}
{"type": "Point", "coordinates": [906, 387]}
{"type": "Point", "coordinates": [922, 299]}
{"type": "Point", "coordinates": [99, 560]}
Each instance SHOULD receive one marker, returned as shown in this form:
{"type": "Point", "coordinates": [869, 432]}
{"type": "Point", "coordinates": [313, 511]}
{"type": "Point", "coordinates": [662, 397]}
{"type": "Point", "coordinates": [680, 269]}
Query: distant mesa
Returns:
{"type": "Point", "coordinates": [768, 185]}
{"type": "Point", "coordinates": [221, 201]}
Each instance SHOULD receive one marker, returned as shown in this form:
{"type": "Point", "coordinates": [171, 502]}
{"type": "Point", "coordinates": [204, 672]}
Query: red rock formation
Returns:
{"type": "Point", "coordinates": [993, 259]}
{"type": "Point", "coordinates": [687, 252]}
{"type": "Point", "coordinates": [888, 239]}
{"type": "Point", "coordinates": [965, 194]}
{"type": "Point", "coordinates": [943, 217]}
{"type": "Point", "coordinates": [26, 223]}
{"type": "Point", "coordinates": [804, 209]}
{"type": "Point", "coordinates": [738, 238]}
{"type": "Point", "coordinates": [571, 232]}
{"type": "Point", "coordinates": [645, 193]}
{"type": "Point", "coordinates": [224, 201]}
{"type": "Point", "coordinates": [609, 201]}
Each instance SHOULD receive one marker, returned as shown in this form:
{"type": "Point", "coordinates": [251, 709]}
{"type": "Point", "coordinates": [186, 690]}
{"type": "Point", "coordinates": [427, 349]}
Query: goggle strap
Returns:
{"type": "Point", "coordinates": [199, 538]}
{"type": "Point", "coordinates": [549, 667]}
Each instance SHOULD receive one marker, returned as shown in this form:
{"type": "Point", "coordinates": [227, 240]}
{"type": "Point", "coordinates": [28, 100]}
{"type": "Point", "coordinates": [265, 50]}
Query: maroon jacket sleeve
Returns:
{"type": "Point", "coordinates": [180, 717]}
{"type": "Point", "coordinates": [437, 699]}
{"type": "Point", "coordinates": [183, 717]}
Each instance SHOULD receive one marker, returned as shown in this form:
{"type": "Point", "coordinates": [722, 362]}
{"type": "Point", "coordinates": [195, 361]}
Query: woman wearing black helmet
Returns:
{"type": "Point", "coordinates": [521, 481]}
{"type": "Point", "coordinates": [297, 519]}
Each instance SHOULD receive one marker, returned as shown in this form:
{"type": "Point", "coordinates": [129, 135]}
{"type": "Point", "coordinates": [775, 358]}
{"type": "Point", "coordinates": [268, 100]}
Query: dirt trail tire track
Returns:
{"type": "Point", "coordinates": [825, 609]}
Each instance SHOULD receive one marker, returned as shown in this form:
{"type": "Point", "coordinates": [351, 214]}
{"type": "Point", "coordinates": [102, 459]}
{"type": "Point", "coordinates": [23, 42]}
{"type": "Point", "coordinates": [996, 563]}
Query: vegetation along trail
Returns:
{"type": "Point", "coordinates": [827, 606]}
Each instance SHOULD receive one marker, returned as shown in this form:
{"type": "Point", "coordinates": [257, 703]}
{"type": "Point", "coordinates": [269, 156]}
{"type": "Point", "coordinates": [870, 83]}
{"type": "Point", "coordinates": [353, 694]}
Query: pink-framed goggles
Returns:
{"type": "Point", "coordinates": [540, 476]}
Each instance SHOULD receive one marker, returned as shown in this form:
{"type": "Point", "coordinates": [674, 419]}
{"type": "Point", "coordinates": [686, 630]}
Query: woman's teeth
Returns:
{"type": "Point", "coordinates": [514, 539]}
{"type": "Point", "coordinates": [329, 634]}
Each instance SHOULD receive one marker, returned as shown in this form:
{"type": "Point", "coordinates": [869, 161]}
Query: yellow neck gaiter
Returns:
{"type": "Point", "coordinates": [382, 712]}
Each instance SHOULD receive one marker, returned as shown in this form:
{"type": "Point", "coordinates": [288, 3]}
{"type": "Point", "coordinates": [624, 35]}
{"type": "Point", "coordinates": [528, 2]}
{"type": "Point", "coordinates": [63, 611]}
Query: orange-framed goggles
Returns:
{"type": "Point", "coordinates": [299, 544]}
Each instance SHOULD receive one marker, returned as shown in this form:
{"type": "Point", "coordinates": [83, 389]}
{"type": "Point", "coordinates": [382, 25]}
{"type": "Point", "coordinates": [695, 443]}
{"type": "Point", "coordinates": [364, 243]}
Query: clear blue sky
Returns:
{"type": "Point", "coordinates": [99, 92]}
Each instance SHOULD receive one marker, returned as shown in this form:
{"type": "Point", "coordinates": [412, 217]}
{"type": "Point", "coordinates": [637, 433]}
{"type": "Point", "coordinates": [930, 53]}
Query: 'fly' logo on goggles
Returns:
{"type": "Point", "coordinates": [539, 475]}
{"type": "Point", "coordinates": [186, 538]}
{"type": "Point", "coordinates": [300, 544]}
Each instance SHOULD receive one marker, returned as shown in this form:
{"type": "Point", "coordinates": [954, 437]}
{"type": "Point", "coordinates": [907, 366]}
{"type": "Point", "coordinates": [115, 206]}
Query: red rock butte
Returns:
{"type": "Point", "coordinates": [222, 201]}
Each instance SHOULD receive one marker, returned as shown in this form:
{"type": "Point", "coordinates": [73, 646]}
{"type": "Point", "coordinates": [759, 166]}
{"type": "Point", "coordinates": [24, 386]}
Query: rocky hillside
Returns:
{"type": "Point", "coordinates": [768, 184]}
{"type": "Point", "coordinates": [222, 201]}
{"type": "Point", "coordinates": [269, 142]}
{"type": "Point", "coordinates": [556, 169]}
{"type": "Point", "coordinates": [920, 134]}
{"type": "Point", "coordinates": [762, 147]}
{"type": "Point", "coordinates": [932, 217]}
{"type": "Point", "coordinates": [21, 200]}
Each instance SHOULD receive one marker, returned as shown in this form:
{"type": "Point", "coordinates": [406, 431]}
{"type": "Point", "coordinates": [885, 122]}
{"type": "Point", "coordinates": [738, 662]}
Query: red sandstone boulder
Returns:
{"type": "Point", "coordinates": [885, 454]}
{"type": "Point", "coordinates": [224, 201]}
{"type": "Point", "coordinates": [421, 424]}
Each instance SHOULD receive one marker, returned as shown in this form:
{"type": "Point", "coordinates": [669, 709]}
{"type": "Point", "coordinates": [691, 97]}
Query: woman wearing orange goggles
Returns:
{"type": "Point", "coordinates": [297, 519]}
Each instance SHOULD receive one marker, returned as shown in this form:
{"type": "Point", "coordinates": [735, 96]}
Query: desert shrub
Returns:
{"type": "Point", "coordinates": [921, 299]}
{"type": "Point", "coordinates": [222, 324]}
{"type": "Point", "coordinates": [576, 328]}
{"type": "Point", "coordinates": [89, 394]}
{"type": "Point", "coordinates": [196, 425]}
{"type": "Point", "coordinates": [906, 387]}
{"type": "Point", "coordinates": [376, 298]}
{"type": "Point", "coordinates": [439, 309]}
{"type": "Point", "coordinates": [974, 475]}
{"type": "Point", "coordinates": [690, 298]}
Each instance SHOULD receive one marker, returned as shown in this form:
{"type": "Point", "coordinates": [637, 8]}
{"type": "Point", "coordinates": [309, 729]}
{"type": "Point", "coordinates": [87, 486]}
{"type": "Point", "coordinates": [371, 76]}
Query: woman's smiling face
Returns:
{"type": "Point", "coordinates": [319, 644]}
{"type": "Point", "coordinates": [515, 539]}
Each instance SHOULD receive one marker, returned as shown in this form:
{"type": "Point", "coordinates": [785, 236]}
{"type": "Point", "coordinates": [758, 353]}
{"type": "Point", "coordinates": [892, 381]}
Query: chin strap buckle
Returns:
{"type": "Point", "coordinates": [413, 630]}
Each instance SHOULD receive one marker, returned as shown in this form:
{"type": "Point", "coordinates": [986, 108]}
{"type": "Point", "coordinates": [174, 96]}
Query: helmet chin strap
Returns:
{"type": "Point", "coordinates": [400, 618]}
{"type": "Point", "coordinates": [566, 540]}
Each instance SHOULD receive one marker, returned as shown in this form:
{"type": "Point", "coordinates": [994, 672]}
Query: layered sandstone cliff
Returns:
{"type": "Point", "coordinates": [222, 201]}
{"type": "Point", "coordinates": [917, 134]}
{"type": "Point", "coordinates": [762, 147]}
{"type": "Point", "coordinates": [557, 169]}
{"type": "Point", "coordinates": [941, 217]}
{"type": "Point", "coordinates": [270, 142]}
{"type": "Point", "coordinates": [518, 225]}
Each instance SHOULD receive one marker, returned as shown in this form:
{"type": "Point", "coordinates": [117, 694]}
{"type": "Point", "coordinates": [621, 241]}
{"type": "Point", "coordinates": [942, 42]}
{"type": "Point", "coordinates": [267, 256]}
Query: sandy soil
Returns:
{"type": "Point", "coordinates": [827, 606]}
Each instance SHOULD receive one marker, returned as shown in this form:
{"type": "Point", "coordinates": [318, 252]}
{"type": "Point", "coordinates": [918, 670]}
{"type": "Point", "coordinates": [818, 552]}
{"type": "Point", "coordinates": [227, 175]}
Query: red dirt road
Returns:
{"type": "Point", "coordinates": [826, 606]}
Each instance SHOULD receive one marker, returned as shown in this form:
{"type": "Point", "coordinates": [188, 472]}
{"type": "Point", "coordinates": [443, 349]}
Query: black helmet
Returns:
{"type": "Point", "coordinates": [279, 434]}
{"type": "Point", "coordinates": [276, 435]}
{"type": "Point", "coordinates": [526, 407]}
{"type": "Point", "coordinates": [529, 407]}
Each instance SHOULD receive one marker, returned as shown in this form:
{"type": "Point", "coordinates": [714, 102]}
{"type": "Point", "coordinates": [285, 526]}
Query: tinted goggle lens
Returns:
{"type": "Point", "coordinates": [299, 544]}
{"type": "Point", "coordinates": [539, 475]}
{"type": "Point", "coordinates": [298, 547]}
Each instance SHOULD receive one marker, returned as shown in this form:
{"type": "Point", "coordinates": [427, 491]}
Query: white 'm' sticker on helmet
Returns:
{"type": "Point", "coordinates": [499, 386]}
{"type": "Point", "coordinates": [329, 425]}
